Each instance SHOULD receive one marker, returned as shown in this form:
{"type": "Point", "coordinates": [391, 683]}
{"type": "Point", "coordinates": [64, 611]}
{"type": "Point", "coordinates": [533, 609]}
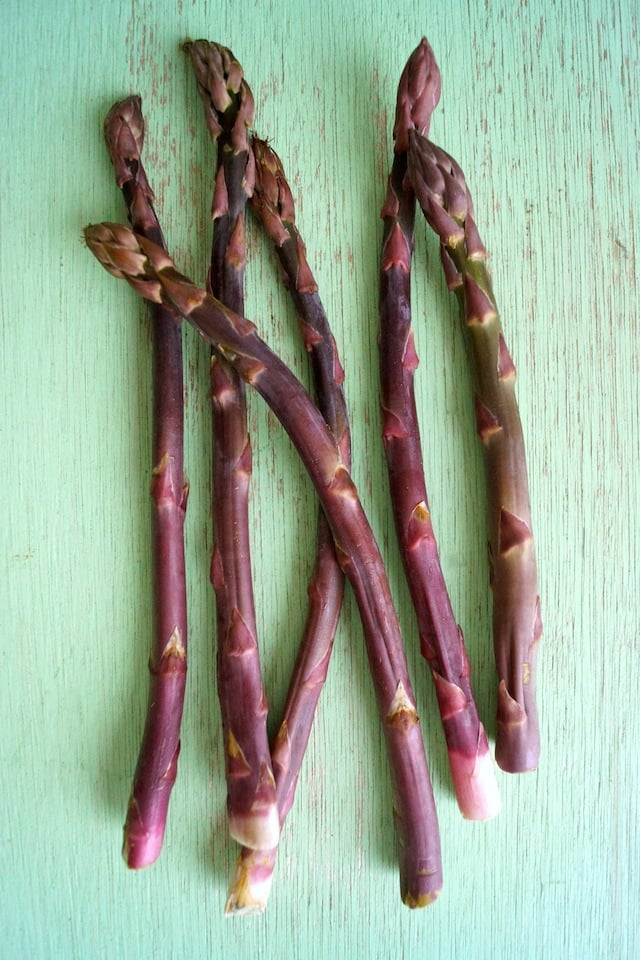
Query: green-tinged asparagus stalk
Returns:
{"type": "Point", "coordinates": [150, 272]}
{"type": "Point", "coordinates": [251, 795]}
{"type": "Point", "coordinates": [158, 757]}
{"type": "Point", "coordinates": [443, 194]}
{"type": "Point", "coordinates": [442, 641]}
{"type": "Point", "coordinates": [272, 202]}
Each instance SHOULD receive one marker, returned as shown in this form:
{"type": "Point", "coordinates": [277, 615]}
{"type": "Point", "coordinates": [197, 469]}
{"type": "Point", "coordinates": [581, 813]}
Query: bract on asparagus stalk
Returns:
{"type": "Point", "coordinates": [273, 204]}
{"type": "Point", "coordinates": [152, 273]}
{"type": "Point", "coordinates": [251, 796]}
{"type": "Point", "coordinates": [158, 757]}
{"type": "Point", "coordinates": [443, 194]}
{"type": "Point", "coordinates": [442, 641]}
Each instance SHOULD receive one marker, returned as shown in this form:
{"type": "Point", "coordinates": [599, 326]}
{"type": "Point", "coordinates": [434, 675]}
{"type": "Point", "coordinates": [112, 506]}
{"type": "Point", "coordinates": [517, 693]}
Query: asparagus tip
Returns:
{"type": "Point", "coordinates": [418, 95]}
{"type": "Point", "coordinates": [272, 186]}
{"type": "Point", "coordinates": [124, 136]}
{"type": "Point", "coordinates": [145, 265]}
{"type": "Point", "coordinates": [226, 96]}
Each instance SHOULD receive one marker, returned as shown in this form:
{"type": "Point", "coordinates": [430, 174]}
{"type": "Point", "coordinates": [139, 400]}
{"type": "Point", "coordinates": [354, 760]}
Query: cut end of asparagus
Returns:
{"type": "Point", "coordinates": [250, 885]}
{"type": "Point", "coordinates": [518, 737]}
{"type": "Point", "coordinates": [424, 900]}
{"type": "Point", "coordinates": [472, 768]}
{"type": "Point", "coordinates": [418, 95]}
{"type": "Point", "coordinates": [475, 785]}
{"type": "Point", "coordinates": [517, 751]}
{"type": "Point", "coordinates": [141, 848]}
{"type": "Point", "coordinates": [421, 862]}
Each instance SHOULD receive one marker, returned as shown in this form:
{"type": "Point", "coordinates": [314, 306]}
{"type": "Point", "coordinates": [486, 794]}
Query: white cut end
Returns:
{"type": "Point", "coordinates": [250, 887]}
{"type": "Point", "coordinates": [476, 787]}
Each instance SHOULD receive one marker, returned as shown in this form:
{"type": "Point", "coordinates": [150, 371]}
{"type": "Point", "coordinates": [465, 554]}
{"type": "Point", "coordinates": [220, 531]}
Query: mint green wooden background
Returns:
{"type": "Point", "coordinates": [540, 106]}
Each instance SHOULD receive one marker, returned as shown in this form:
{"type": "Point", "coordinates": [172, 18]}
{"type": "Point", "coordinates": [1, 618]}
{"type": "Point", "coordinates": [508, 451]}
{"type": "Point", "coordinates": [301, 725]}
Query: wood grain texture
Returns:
{"type": "Point", "coordinates": [540, 107]}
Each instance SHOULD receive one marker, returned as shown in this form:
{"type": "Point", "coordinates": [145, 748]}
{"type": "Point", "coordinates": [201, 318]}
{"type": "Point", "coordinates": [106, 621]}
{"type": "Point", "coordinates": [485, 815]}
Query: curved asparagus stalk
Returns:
{"type": "Point", "coordinates": [158, 757]}
{"type": "Point", "coordinates": [150, 272]}
{"type": "Point", "coordinates": [441, 639]}
{"type": "Point", "coordinates": [272, 202]}
{"type": "Point", "coordinates": [445, 200]}
{"type": "Point", "coordinates": [251, 796]}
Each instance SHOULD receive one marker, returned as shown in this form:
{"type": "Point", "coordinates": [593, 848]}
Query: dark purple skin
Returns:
{"type": "Point", "coordinates": [152, 274]}
{"type": "Point", "coordinates": [441, 639]}
{"type": "Point", "coordinates": [251, 793]}
{"type": "Point", "coordinates": [156, 768]}
{"type": "Point", "coordinates": [272, 203]}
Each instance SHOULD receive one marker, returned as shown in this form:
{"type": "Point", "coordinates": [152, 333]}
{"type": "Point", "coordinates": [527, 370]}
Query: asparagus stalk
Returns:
{"type": "Point", "coordinates": [443, 194]}
{"type": "Point", "coordinates": [152, 273]}
{"type": "Point", "coordinates": [158, 757]}
{"type": "Point", "coordinates": [273, 204]}
{"type": "Point", "coordinates": [251, 796]}
{"type": "Point", "coordinates": [441, 639]}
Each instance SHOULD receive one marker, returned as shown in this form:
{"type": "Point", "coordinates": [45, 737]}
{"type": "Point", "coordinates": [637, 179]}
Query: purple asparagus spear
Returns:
{"type": "Point", "coordinates": [251, 796]}
{"type": "Point", "coordinates": [158, 757]}
{"type": "Point", "coordinates": [442, 641]}
{"type": "Point", "coordinates": [150, 272]}
{"type": "Point", "coordinates": [443, 194]}
{"type": "Point", "coordinates": [272, 202]}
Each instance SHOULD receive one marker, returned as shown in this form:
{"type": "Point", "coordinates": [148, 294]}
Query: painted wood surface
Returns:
{"type": "Point", "coordinates": [540, 107]}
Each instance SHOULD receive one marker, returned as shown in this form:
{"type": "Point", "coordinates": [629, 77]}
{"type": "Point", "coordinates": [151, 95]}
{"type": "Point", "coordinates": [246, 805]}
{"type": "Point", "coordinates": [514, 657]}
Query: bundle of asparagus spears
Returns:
{"type": "Point", "coordinates": [261, 777]}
